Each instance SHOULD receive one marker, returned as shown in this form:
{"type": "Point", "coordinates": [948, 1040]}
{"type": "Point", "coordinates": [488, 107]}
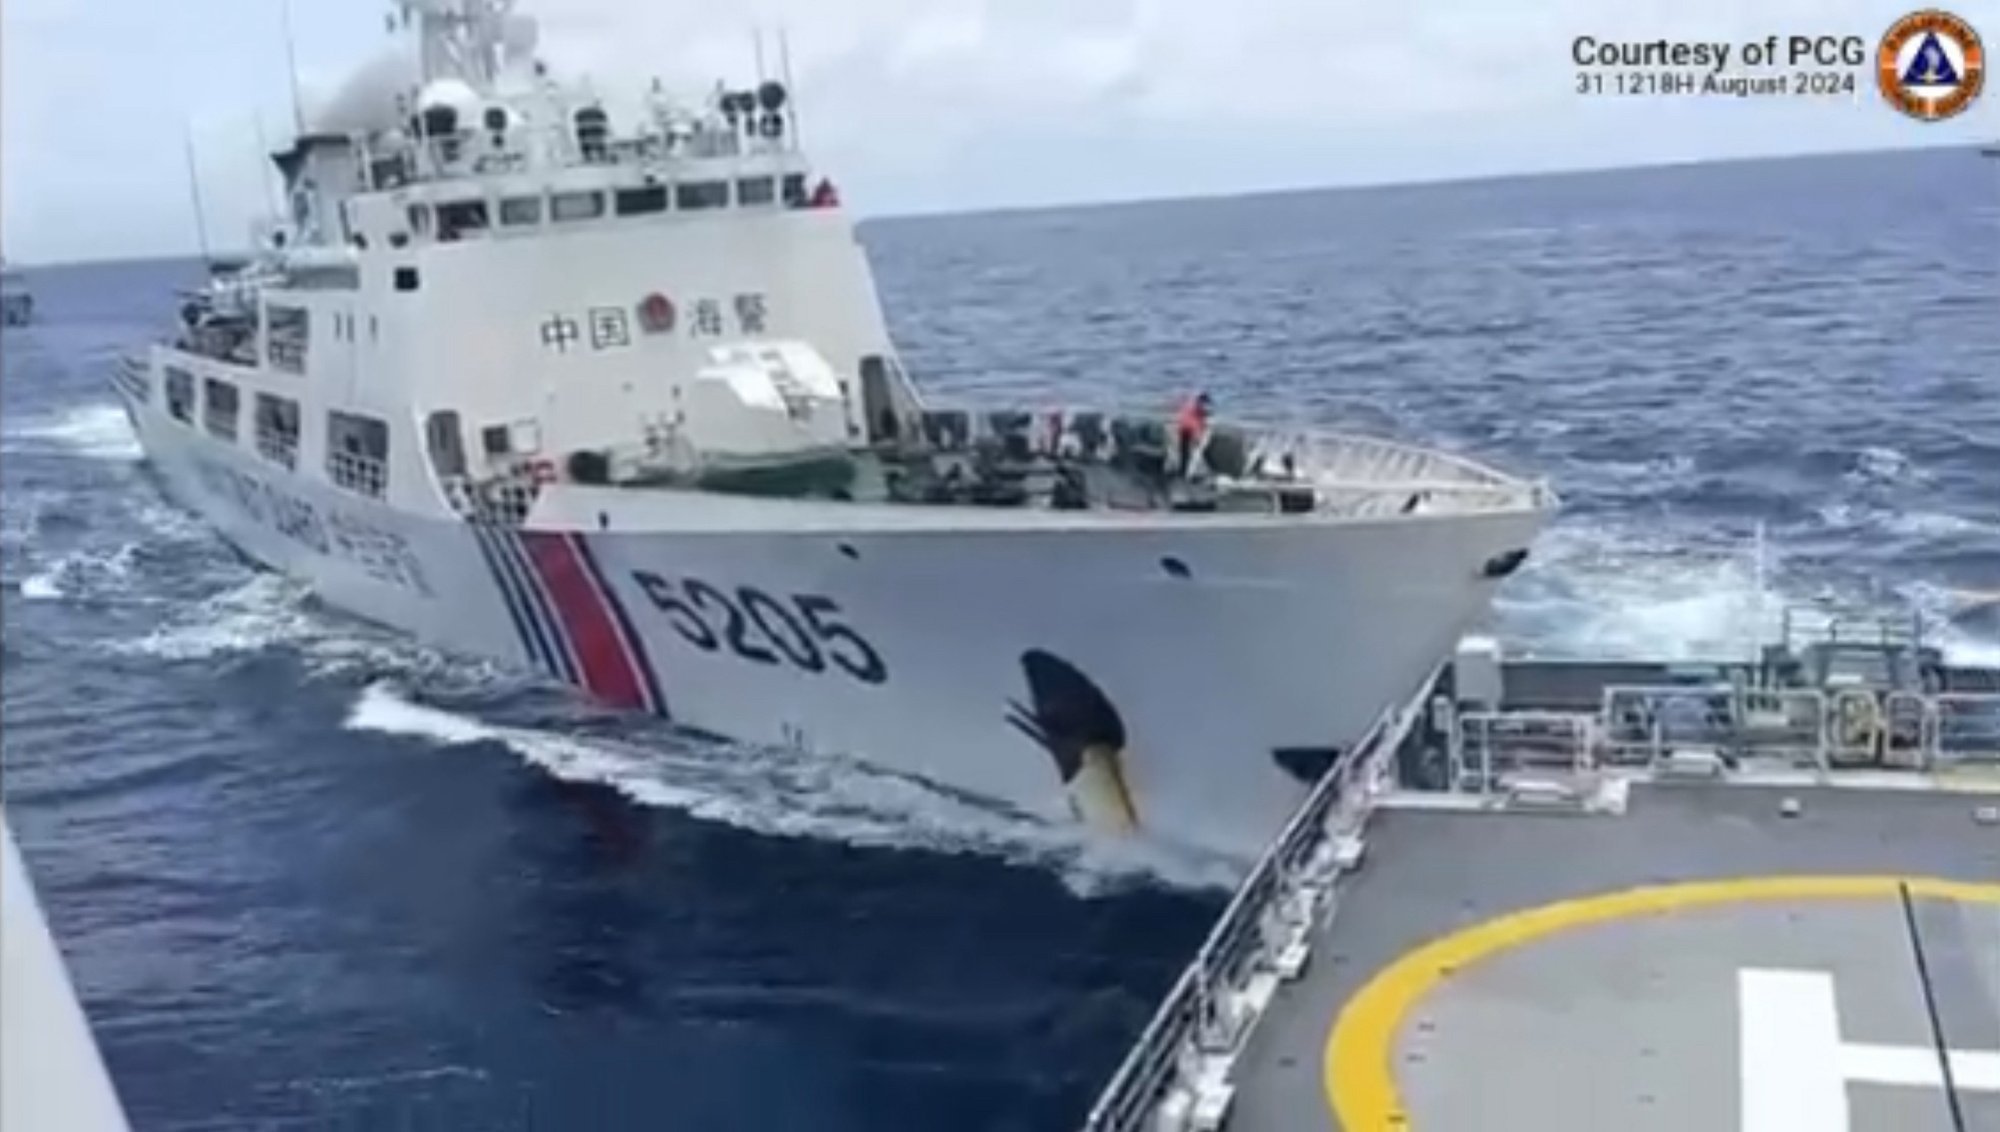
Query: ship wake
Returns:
{"type": "Point", "coordinates": [96, 431]}
{"type": "Point", "coordinates": [783, 793]}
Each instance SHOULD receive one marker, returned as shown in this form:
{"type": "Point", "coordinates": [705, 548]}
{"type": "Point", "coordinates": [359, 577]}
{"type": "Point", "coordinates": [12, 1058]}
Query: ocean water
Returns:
{"type": "Point", "coordinates": [311, 876]}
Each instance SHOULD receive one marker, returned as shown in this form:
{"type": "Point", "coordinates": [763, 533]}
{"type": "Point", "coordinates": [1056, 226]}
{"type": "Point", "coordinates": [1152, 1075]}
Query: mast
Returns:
{"type": "Point", "coordinates": [194, 194]}
{"type": "Point", "coordinates": [792, 92]}
{"type": "Point", "coordinates": [292, 70]}
{"type": "Point", "coordinates": [274, 193]}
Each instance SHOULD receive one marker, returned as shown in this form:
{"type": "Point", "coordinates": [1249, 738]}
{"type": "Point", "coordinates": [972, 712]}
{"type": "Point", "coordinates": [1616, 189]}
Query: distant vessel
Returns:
{"type": "Point", "coordinates": [17, 303]}
{"type": "Point", "coordinates": [616, 400]}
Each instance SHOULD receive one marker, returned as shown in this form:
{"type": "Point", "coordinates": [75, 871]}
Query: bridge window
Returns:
{"type": "Point", "coordinates": [277, 430]}
{"type": "Point", "coordinates": [180, 394]}
{"type": "Point", "coordinates": [406, 280]}
{"type": "Point", "coordinates": [357, 453]}
{"type": "Point", "coordinates": [286, 333]}
{"type": "Point", "coordinates": [795, 190]}
{"type": "Point", "coordinates": [442, 441]}
{"type": "Point", "coordinates": [520, 212]}
{"type": "Point", "coordinates": [756, 190]}
{"type": "Point", "coordinates": [420, 219]}
{"type": "Point", "coordinates": [639, 202]}
{"type": "Point", "coordinates": [458, 217]}
{"type": "Point", "coordinates": [219, 408]}
{"type": "Point", "coordinates": [566, 207]}
{"type": "Point", "coordinates": [388, 172]}
{"type": "Point", "coordinates": [701, 194]}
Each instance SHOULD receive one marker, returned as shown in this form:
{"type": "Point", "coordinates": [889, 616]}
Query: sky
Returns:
{"type": "Point", "coordinates": [938, 105]}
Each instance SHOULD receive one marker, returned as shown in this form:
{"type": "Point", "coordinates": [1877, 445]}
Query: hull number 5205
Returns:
{"type": "Point", "coordinates": [807, 632]}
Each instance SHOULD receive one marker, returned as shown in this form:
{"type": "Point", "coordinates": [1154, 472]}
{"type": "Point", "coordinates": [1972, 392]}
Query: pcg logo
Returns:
{"type": "Point", "coordinates": [1930, 65]}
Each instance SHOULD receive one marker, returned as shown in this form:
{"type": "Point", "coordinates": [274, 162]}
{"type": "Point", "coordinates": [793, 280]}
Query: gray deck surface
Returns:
{"type": "Point", "coordinates": [1633, 1023]}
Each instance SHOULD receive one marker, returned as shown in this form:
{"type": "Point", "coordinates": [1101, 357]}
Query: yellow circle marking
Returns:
{"type": "Point", "coordinates": [1360, 1080]}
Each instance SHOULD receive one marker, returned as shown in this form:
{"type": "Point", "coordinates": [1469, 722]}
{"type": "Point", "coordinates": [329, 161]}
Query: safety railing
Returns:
{"type": "Point", "coordinates": [1641, 724]}
{"type": "Point", "coordinates": [365, 475]}
{"type": "Point", "coordinates": [1964, 729]}
{"type": "Point", "coordinates": [1805, 625]}
{"type": "Point", "coordinates": [1373, 499]}
{"type": "Point", "coordinates": [1348, 474]}
{"type": "Point", "coordinates": [277, 446]}
{"type": "Point", "coordinates": [1201, 1016]}
{"type": "Point", "coordinates": [1909, 730]}
{"type": "Point", "coordinates": [1489, 750]}
{"type": "Point", "coordinates": [481, 152]}
{"type": "Point", "coordinates": [286, 355]}
{"type": "Point", "coordinates": [503, 502]}
{"type": "Point", "coordinates": [1343, 456]}
{"type": "Point", "coordinates": [132, 374]}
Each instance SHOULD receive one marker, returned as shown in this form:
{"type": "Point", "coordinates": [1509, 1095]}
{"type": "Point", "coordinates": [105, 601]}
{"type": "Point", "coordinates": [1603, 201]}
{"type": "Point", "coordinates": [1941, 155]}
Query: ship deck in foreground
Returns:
{"type": "Point", "coordinates": [1762, 897]}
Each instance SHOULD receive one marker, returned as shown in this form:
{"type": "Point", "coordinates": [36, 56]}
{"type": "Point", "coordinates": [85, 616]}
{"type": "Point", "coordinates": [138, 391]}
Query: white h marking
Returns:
{"type": "Point", "coordinates": [1796, 1068]}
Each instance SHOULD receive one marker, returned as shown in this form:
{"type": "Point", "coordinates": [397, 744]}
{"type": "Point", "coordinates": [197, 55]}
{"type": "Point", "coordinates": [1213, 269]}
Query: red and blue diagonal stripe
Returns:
{"type": "Point", "coordinates": [569, 619]}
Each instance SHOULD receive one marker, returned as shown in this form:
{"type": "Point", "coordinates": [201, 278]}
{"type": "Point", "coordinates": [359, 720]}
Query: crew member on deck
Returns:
{"type": "Point", "coordinates": [1191, 429]}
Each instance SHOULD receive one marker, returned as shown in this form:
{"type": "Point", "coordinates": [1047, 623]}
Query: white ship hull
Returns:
{"type": "Point", "coordinates": [1234, 653]}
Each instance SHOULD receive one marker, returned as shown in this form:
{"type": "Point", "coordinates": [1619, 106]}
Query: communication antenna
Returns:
{"type": "Point", "coordinates": [757, 48]}
{"type": "Point", "coordinates": [273, 192]}
{"type": "Point", "coordinates": [791, 92]}
{"type": "Point", "coordinates": [292, 68]}
{"type": "Point", "coordinates": [194, 194]}
{"type": "Point", "coordinates": [1760, 578]}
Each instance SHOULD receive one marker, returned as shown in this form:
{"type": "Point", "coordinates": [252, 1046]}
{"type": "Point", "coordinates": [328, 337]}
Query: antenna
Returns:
{"type": "Point", "coordinates": [273, 192]}
{"type": "Point", "coordinates": [1760, 579]}
{"type": "Point", "coordinates": [757, 48]}
{"type": "Point", "coordinates": [194, 193]}
{"type": "Point", "coordinates": [292, 68]}
{"type": "Point", "coordinates": [791, 92]}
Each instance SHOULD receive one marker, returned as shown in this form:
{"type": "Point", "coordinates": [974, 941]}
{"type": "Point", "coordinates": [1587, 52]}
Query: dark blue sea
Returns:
{"type": "Point", "coordinates": [309, 876]}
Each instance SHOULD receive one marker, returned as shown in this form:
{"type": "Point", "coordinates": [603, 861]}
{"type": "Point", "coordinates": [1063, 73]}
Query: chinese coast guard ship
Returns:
{"type": "Point", "coordinates": [615, 399]}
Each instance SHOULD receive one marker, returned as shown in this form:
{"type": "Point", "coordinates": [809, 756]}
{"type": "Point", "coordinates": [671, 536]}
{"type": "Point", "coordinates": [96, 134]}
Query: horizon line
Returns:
{"type": "Point", "coordinates": [1444, 181]}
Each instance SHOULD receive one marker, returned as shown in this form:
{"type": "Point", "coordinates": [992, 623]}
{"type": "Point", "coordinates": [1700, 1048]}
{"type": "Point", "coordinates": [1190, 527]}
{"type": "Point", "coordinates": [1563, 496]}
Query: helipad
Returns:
{"type": "Point", "coordinates": [1700, 962]}
{"type": "Point", "coordinates": [1646, 998]}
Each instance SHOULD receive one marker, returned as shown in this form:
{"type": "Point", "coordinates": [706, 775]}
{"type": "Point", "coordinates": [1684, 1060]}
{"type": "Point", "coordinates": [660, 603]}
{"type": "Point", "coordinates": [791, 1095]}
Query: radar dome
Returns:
{"type": "Point", "coordinates": [452, 93]}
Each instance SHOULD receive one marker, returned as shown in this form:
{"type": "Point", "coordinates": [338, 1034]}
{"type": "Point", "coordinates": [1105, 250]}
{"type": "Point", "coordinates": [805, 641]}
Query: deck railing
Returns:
{"type": "Point", "coordinates": [133, 373]}
{"type": "Point", "coordinates": [287, 355]}
{"type": "Point", "coordinates": [1963, 728]}
{"type": "Point", "coordinates": [363, 474]}
{"type": "Point", "coordinates": [1202, 1016]}
{"type": "Point", "coordinates": [1803, 626]}
{"type": "Point", "coordinates": [474, 153]}
{"type": "Point", "coordinates": [1822, 730]}
{"type": "Point", "coordinates": [279, 447]}
{"type": "Point", "coordinates": [503, 501]}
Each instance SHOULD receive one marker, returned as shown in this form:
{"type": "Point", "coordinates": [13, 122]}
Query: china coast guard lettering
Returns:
{"type": "Point", "coordinates": [383, 554]}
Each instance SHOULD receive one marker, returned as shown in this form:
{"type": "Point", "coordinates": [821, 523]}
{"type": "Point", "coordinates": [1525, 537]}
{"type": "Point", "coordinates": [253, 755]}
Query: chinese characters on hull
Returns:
{"type": "Point", "coordinates": [600, 329]}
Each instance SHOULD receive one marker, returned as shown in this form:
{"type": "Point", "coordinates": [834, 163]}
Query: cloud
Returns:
{"type": "Point", "coordinates": [929, 104]}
